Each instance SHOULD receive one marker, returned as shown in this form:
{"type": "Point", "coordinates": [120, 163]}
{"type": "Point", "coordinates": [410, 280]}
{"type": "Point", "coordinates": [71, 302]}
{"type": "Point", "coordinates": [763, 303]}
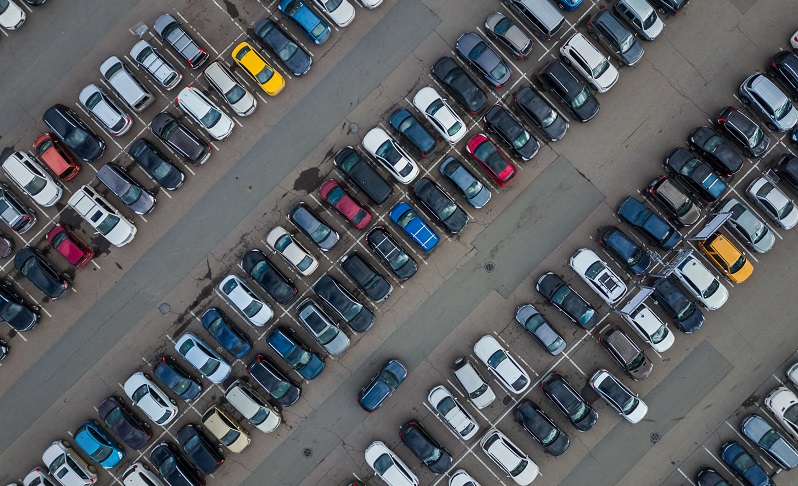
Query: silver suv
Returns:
{"type": "Point", "coordinates": [769, 102]}
{"type": "Point", "coordinates": [155, 64]}
{"type": "Point", "coordinates": [103, 109]}
{"type": "Point", "coordinates": [18, 217]}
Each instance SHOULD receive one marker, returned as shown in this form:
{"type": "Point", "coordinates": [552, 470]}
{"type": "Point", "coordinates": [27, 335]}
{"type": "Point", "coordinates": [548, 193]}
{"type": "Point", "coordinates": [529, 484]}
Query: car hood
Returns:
{"type": "Point", "coordinates": [559, 446]}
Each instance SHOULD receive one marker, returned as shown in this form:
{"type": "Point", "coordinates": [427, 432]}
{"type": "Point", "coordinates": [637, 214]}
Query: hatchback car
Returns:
{"type": "Point", "coordinates": [491, 159]}
{"type": "Point", "coordinates": [284, 341]}
{"type": "Point", "coordinates": [565, 298]}
{"type": "Point", "coordinates": [784, 405]}
{"type": "Point", "coordinates": [541, 329]}
{"type": "Point", "coordinates": [180, 138]}
{"type": "Point", "coordinates": [382, 385]}
{"type": "Point", "coordinates": [292, 251]}
{"type": "Point", "coordinates": [75, 134]}
{"type": "Point", "coordinates": [696, 173]}
{"type": "Point", "coordinates": [156, 164]}
{"type": "Point", "coordinates": [269, 80]}
{"type": "Point", "coordinates": [14, 311]}
{"type": "Point", "coordinates": [425, 447]}
{"type": "Point", "coordinates": [677, 305]}
{"type": "Point", "coordinates": [105, 110]}
{"type": "Point", "coordinates": [598, 276]}
{"type": "Point", "coordinates": [41, 273]}
{"type": "Point", "coordinates": [98, 445]}
{"type": "Point", "coordinates": [701, 283]}
{"type": "Point", "coordinates": [366, 276]}
{"type": "Point", "coordinates": [658, 231]}
{"type": "Point", "coordinates": [786, 168]}
{"type": "Point", "coordinates": [625, 352]}
{"type": "Point", "coordinates": [681, 208]}
{"type": "Point", "coordinates": [237, 97]}
{"type": "Point", "coordinates": [341, 12]}
{"type": "Point", "coordinates": [321, 327]}
{"type": "Point", "coordinates": [413, 132]}
{"type": "Point", "coordinates": [474, 50]}
{"type": "Point", "coordinates": [769, 102]}
{"type": "Point", "coordinates": [174, 377]}
{"type": "Point", "coordinates": [269, 277]}
{"type": "Point", "coordinates": [542, 114]}
{"type": "Point", "coordinates": [64, 241]}
{"type": "Point", "coordinates": [388, 466]}
{"type": "Point", "coordinates": [23, 170]}
{"type": "Point", "coordinates": [650, 328]}
{"type": "Point", "coordinates": [255, 309]}
{"type": "Point", "coordinates": [744, 465]}
{"type": "Point", "coordinates": [573, 94]}
{"type": "Point", "coordinates": [56, 157]}
{"type": "Point", "coordinates": [465, 182]}
{"type": "Point", "coordinates": [390, 155]}
{"type": "Point", "coordinates": [722, 155]}
{"type": "Point", "coordinates": [453, 414]}
{"type": "Point", "coordinates": [508, 371]}
{"type": "Point", "coordinates": [729, 260]}
{"type": "Point", "coordinates": [273, 381]}
{"type": "Point", "coordinates": [202, 357]}
{"type": "Point", "coordinates": [305, 20]}
{"type": "Point", "coordinates": [206, 456]}
{"type": "Point", "coordinates": [747, 134]}
{"type": "Point", "coordinates": [65, 464]}
{"type": "Point", "coordinates": [313, 226]}
{"type": "Point", "coordinates": [203, 111]}
{"type": "Point", "coordinates": [133, 432]}
{"type": "Point", "coordinates": [621, 398]}
{"type": "Point", "coordinates": [624, 249]}
{"type": "Point", "coordinates": [334, 195]}
{"type": "Point", "coordinates": [363, 175]}
{"type": "Point", "coordinates": [510, 459]}
{"type": "Point", "coordinates": [442, 207]}
{"type": "Point", "coordinates": [173, 467]}
{"type": "Point", "coordinates": [225, 332]}
{"type": "Point", "coordinates": [748, 227]}
{"type": "Point", "coordinates": [130, 192]}
{"type": "Point", "coordinates": [759, 431]}
{"type": "Point", "coordinates": [391, 253]}
{"type": "Point", "coordinates": [175, 36]}
{"type": "Point", "coordinates": [460, 85]}
{"type": "Point", "coordinates": [225, 429]}
{"type": "Point", "coordinates": [615, 37]}
{"type": "Point", "coordinates": [476, 388]}
{"type": "Point", "coordinates": [499, 121]}
{"type": "Point", "coordinates": [295, 59]}
{"type": "Point", "coordinates": [356, 315]}
{"type": "Point", "coordinates": [583, 56]}
{"type": "Point", "coordinates": [640, 15]}
{"type": "Point", "coordinates": [139, 474]}
{"type": "Point", "coordinates": [774, 202]}
{"type": "Point", "coordinates": [784, 66]}
{"type": "Point", "coordinates": [149, 397]}
{"type": "Point", "coordinates": [553, 440]}
{"type": "Point", "coordinates": [508, 35]}
{"type": "Point", "coordinates": [582, 416]}
{"type": "Point", "coordinates": [414, 227]}
{"type": "Point", "coordinates": [258, 412]}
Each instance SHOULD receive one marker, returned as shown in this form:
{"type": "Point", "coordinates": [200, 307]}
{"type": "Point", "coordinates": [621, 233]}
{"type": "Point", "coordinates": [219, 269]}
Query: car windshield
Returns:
{"type": "Point", "coordinates": [35, 186]}
{"type": "Point", "coordinates": [586, 316]}
{"type": "Point", "coordinates": [454, 128]}
{"type": "Point", "coordinates": [479, 391]}
{"type": "Point", "coordinates": [710, 291]}
{"type": "Point", "coordinates": [398, 259]}
{"type": "Point", "coordinates": [327, 336]}
{"type": "Point", "coordinates": [352, 311]}
{"type": "Point", "coordinates": [650, 20]}
{"type": "Point", "coordinates": [473, 189]}
{"type": "Point", "coordinates": [264, 75]}
{"type": "Point", "coordinates": [743, 462]}
{"type": "Point", "coordinates": [636, 256]}
{"type": "Point", "coordinates": [484, 150]}
{"type": "Point", "coordinates": [282, 243]}
{"type": "Point", "coordinates": [211, 118]}
{"type": "Point", "coordinates": [253, 308]}
{"type": "Point", "coordinates": [434, 106]}
{"type": "Point", "coordinates": [754, 140]}
{"type": "Point", "coordinates": [499, 71]}
{"type": "Point", "coordinates": [713, 143]}
{"type": "Point", "coordinates": [637, 362]}
{"type": "Point", "coordinates": [580, 99]}
{"type": "Point", "coordinates": [28, 266]}
{"type": "Point", "coordinates": [690, 167]}
{"type": "Point", "coordinates": [181, 385]}
{"type": "Point", "coordinates": [162, 170]}
{"type": "Point", "coordinates": [318, 30]}
{"type": "Point", "coordinates": [433, 457]}
{"type": "Point", "coordinates": [477, 50]}
{"type": "Point", "coordinates": [503, 26]}
{"type": "Point", "coordinates": [521, 139]}
{"type": "Point", "coordinates": [447, 211]}
{"type": "Point", "coordinates": [101, 453]}
{"type": "Point", "coordinates": [113, 417]}
{"type": "Point", "coordinates": [446, 405]}
{"type": "Point", "coordinates": [383, 463]}
{"type": "Point", "coordinates": [131, 195]}
{"type": "Point", "coordinates": [560, 295]}
{"type": "Point", "coordinates": [388, 152]}
{"type": "Point", "coordinates": [759, 234]}
{"type": "Point", "coordinates": [288, 51]}
{"type": "Point", "coordinates": [659, 335]}
{"type": "Point", "coordinates": [108, 224]}
{"type": "Point", "coordinates": [548, 119]}
{"type": "Point", "coordinates": [786, 209]}
{"type": "Point", "coordinates": [10, 311]}
{"type": "Point", "coordinates": [534, 322]}
{"type": "Point", "coordinates": [406, 218]}
{"type": "Point", "coordinates": [235, 94]}
{"type": "Point", "coordinates": [335, 195]}
{"type": "Point", "coordinates": [627, 44]}
{"type": "Point", "coordinates": [496, 358]}
{"type": "Point", "coordinates": [737, 265]}
{"type": "Point", "coordinates": [686, 312]}
{"type": "Point", "coordinates": [230, 437]}
{"type": "Point", "coordinates": [389, 380]}
{"type": "Point", "coordinates": [259, 270]}
{"type": "Point", "coordinates": [193, 444]}
{"type": "Point", "coordinates": [630, 405]}
{"type": "Point", "coordinates": [140, 393]}
{"type": "Point", "coordinates": [549, 438]}
{"type": "Point", "coordinates": [76, 138]}
{"type": "Point", "coordinates": [601, 68]}
{"type": "Point", "coordinates": [280, 390]}
{"type": "Point", "coordinates": [782, 110]}
{"type": "Point", "coordinates": [519, 468]}
{"type": "Point", "coordinates": [769, 439]}
{"type": "Point", "coordinates": [167, 467]}
{"type": "Point", "coordinates": [305, 263]}
{"type": "Point", "coordinates": [293, 7]}
{"type": "Point", "coordinates": [685, 207]}
{"type": "Point", "coordinates": [321, 233]}
{"type": "Point", "coordinates": [45, 145]}
{"type": "Point", "coordinates": [594, 269]}
{"type": "Point", "coordinates": [260, 416]}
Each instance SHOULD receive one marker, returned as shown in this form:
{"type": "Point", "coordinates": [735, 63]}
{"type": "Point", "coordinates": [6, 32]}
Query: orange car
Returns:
{"type": "Point", "coordinates": [56, 157]}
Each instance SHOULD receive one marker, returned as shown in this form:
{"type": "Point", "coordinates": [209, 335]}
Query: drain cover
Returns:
{"type": "Point", "coordinates": [489, 267]}
{"type": "Point", "coordinates": [353, 128]}
{"type": "Point", "coordinates": [655, 437]}
{"type": "Point", "coordinates": [164, 308]}
{"type": "Point", "coordinates": [307, 452]}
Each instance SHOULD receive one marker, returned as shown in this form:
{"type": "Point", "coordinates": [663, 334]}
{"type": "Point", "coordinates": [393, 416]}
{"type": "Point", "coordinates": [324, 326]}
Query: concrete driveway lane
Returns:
{"type": "Point", "coordinates": [555, 203]}
{"type": "Point", "coordinates": [204, 226]}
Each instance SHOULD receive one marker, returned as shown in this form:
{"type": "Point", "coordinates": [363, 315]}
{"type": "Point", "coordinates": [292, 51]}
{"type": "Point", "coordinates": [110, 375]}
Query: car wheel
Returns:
{"type": "Point", "coordinates": [173, 401]}
{"type": "Point", "coordinates": [745, 100]}
{"type": "Point", "coordinates": [561, 6]}
{"type": "Point", "coordinates": [566, 60]}
{"type": "Point", "coordinates": [146, 425]}
{"type": "Point", "coordinates": [66, 444]}
{"type": "Point", "coordinates": [593, 36]}
{"type": "Point", "coordinates": [92, 469]}
{"type": "Point", "coordinates": [795, 99]}
{"type": "Point", "coordinates": [771, 126]}
{"type": "Point", "coordinates": [96, 423]}
{"type": "Point", "coordinates": [661, 11]}
{"type": "Point", "coordinates": [221, 451]}
{"type": "Point", "coordinates": [198, 427]}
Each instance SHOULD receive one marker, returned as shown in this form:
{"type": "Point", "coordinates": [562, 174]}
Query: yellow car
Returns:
{"type": "Point", "coordinates": [267, 78]}
{"type": "Point", "coordinates": [224, 428]}
{"type": "Point", "coordinates": [727, 257]}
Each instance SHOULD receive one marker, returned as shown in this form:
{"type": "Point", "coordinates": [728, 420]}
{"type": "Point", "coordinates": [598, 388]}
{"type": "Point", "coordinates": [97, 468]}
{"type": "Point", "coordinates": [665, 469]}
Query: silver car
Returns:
{"type": "Point", "coordinates": [774, 202]}
{"type": "Point", "coordinates": [233, 92]}
{"type": "Point", "coordinates": [322, 328]}
{"type": "Point", "coordinates": [504, 30]}
{"type": "Point", "coordinates": [103, 109]}
{"type": "Point", "coordinates": [155, 64]}
{"type": "Point", "coordinates": [770, 103]}
{"type": "Point", "coordinates": [747, 226]}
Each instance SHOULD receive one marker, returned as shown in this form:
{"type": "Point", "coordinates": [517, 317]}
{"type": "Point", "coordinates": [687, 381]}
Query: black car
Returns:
{"type": "Point", "coordinates": [74, 132]}
{"type": "Point", "coordinates": [413, 132]}
{"type": "Point", "coordinates": [425, 448]}
{"type": "Point", "coordinates": [335, 295]}
{"type": "Point", "coordinates": [205, 455]}
{"type": "Point", "coordinates": [176, 379]}
{"type": "Point", "coordinates": [392, 253]}
{"type": "Point", "coordinates": [670, 296]}
{"type": "Point", "coordinates": [41, 273]}
{"type": "Point", "coordinates": [365, 177]}
{"type": "Point", "coordinates": [369, 279]}
{"type": "Point", "coordinates": [501, 122]}
{"type": "Point", "coordinates": [613, 35]}
{"type": "Point", "coordinates": [460, 85]}
{"type": "Point", "coordinates": [722, 155]}
{"type": "Point", "coordinates": [696, 173]}
{"type": "Point", "coordinates": [313, 226]}
{"type": "Point", "coordinates": [569, 402]}
{"type": "Point", "coordinates": [744, 131]}
{"type": "Point", "coordinates": [180, 138]}
{"type": "Point", "coordinates": [710, 477]}
{"type": "Point", "coordinates": [565, 298]}
{"type": "Point", "coordinates": [124, 424]}
{"type": "Point", "coordinates": [786, 167]}
{"type": "Point", "coordinates": [273, 381]}
{"type": "Point", "coordinates": [293, 56]}
{"type": "Point", "coordinates": [173, 467]}
{"type": "Point", "coordinates": [784, 67]}
{"type": "Point", "coordinates": [437, 202]}
{"type": "Point", "coordinates": [14, 311]}
{"type": "Point", "coordinates": [624, 249]}
{"type": "Point", "coordinates": [669, 6]}
{"type": "Point", "coordinates": [541, 113]}
{"type": "Point", "coordinates": [126, 189]}
{"type": "Point", "coordinates": [541, 428]}
{"type": "Point", "coordinates": [156, 164]}
{"type": "Point", "coordinates": [269, 277]}
{"type": "Point", "coordinates": [572, 92]}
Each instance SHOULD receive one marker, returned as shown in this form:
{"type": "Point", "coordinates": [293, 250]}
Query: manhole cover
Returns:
{"type": "Point", "coordinates": [164, 308]}
{"type": "Point", "coordinates": [655, 437]}
{"type": "Point", "coordinates": [489, 267]}
{"type": "Point", "coordinates": [307, 452]}
{"type": "Point", "coordinates": [353, 128]}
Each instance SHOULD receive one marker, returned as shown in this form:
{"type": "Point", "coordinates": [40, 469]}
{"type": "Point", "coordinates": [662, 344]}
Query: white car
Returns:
{"type": "Point", "coordinates": [241, 295]}
{"type": "Point", "coordinates": [440, 114]}
{"type": "Point", "coordinates": [774, 202]}
{"type": "Point", "coordinates": [203, 358]}
{"type": "Point", "coordinates": [621, 398]}
{"type": "Point", "coordinates": [31, 177]}
{"type": "Point", "coordinates": [11, 16]}
{"type": "Point", "coordinates": [105, 110]}
{"type": "Point", "coordinates": [39, 477]}
{"type": "Point", "coordinates": [476, 388]}
{"type": "Point", "coordinates": [149, 397]}
{"type": "Point", "coordinates": [377, 3]}
{"type": "Point", "coordinates": [388, 466]}
{"type": "Point", "coordinates": [102, 216]}
{"type": "Point", "coordinates": [784, 405]}
{"type": "Point", "coordinates": [390, 155]}
{"type": "Point", "coordinates": [701, 283]}
{"type": "Point", "coordinates": [509, 457]}
{"type": "Point", "coordinates": [340, 11]}
{"type": "Point", "coordinates": [589, 62]}
{"type": "Point", "coordinates": [252, 406]}
{"type": "Point", "coordinates": [598, 276]}
{"type": "Point", "coordinates": [200, 108]}
{"type": "Point", "coordinates": [462, 478]}
{"type": "Point", "coordinates": [67, 466]}
{"type": "Point", "coordinates": [290, 249]}
{"type": "Point", "coordinates": [454, 414]}
{"type": "Point", "coordinates": [221, 79]}
{"type": "Point", "coordinates": [139, 474]}
{"type": "Point", "coordinates": [650, 327]}
{"type": "Point", "coordinates": [792, 374]}
{"type": "Point", "coordinates": [500, 363]}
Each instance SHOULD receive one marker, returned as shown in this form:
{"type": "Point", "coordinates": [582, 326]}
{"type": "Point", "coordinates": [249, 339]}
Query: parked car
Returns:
{"type": "Point", "coordinates": [615, 37]}
{"type": "Point", "coordinates": [442, 207]}
{"type": "Point", "coordinates": [130, 192]}
{"type": "Point", "coordinates": [11, 15]}
{"type": "Point", "coordinates": [650, 328]}
{"type": "Point", "coordinates": [222, 329]}
{"type": "Point", "coordinates": [156, 164]}
{"type": "Point", "coordinates": [583, 56]}
{"type": "Point", "coordinates": [658, 231]}
{"type": "Point", "coordinates": [625, 352]}
{"type": "Point", "coordinates": [460, 85]}
{"type": "Point", "coordinates": [710, 477]}
{"type": "Point", "coordinates": [582, 416]}
{"type": "Point", "coordinates": [180, 138]}
{"type": "Point", "coordinates": [14, 311]}
{"type": "Point", "coordinates": [414, 227]}
{"type": "Point", "coordinates": [258, 412]}
{"type": "Point", "coordinates": [412, 131]}
{"type": "Point", "coordinates": [681, 208]}
{"type": "Point", "coordinates": [476, 388]}
{"type": "Point", "coordinates": [255, 309]}
{"type": "Point", "coordinates": [175, 36]}
{"type": "Point", "coordinates": [139, 474]}
{"type": "Point", "coordinates": [156, 65]}
{"type": "Point", "coordinates": [573, 94]}
{"type": "Point", "coordinates": [744, 465]}
{"type": "Point", "coordinates": [321, 327]}
{"type": "Point", "coordinates": [125, 84]}
{"type": "Point", "coordinates": [677, 305]}
{"type": "Point", "coordinates": [259, 71]}
{"type": "Point", "coordinates": [284, 341]}
{"type": "Point", "coordinates": [543, 429]}
{"type": "Point", "coordinates": [391, 253]}
{"type": "Point", "coordinates": [759, 431]}
{"type": "Point", "coordinates": [41, 273]}
{"type": "Point", "coordinates": [783, 403]}
{"type": "Point", "coordinates": [363, 175]}
{"type": "Point", "coordinates": [66, 465]}
{"type": "Point", "coordinates": [465, 182]}
{"type": "Point", "coordinates": [203, 111]}
{"type": "Point", "coordinates": [769, 102]}
{"type": "Point", "coordinates": [305, 20]}
{"type": "Point", "coordinates": [390, 155]}
{"type": "Point", "coordinates": [268, 276]}
{"type": "Point", "coordinates": [640, 15]}
{"type": "Point", "coordinates": [773, 202]}
{"type": "Point", "coordinates": [720, 154]}
{"type": "Point", "coordinates": [22, 169]}
{"type": "Point", "coordinates": [173, 467]}
{"type": "Point", "coordinates": [696, 173]}
{"type": "Point", "coordinates": [669, 6]}
{"type": "Point", "coordinates": [18, 217]}
{"type": "Point", "coordinates": [292, 251]}
{"type": "Point", "coordinates": [64, 241]}
{"type": "Point", "coordinates": [206, 456]}
{"type": "Point", "coordinates": [509, 373]}
{"type": "Point", "coordinates": [429, 451]}
{"type": "Point", "coordinates": [102, 216]}
{"type": "Point", "coordinates": [75, 134]}
{"type": "Point", "coordinates": [273, 381]}
{"type": "Point", "coordinates": [453, 414]}
{"type": "Point", "coordinates": [4, 349]}
{"type": "Point", "coordinates": [388, 466]}
{"type": "Point", "coordinates": [105, 110]}
{"type": "Point", "coordinates": [701, 283]}
{"type": "Point", "coordinates": [598, 276]}
{"type": "Point", "coordinates": [313, 226]}
{"type": "Point", "coordinates": [97, 444]}
{"type": "Point", "coordinates": [510, 459]}
{"type": "Point", "coordinates": [295, 58]}
{"type": "Point", "coordinates": [459, 477]}
{"type": "Point", "coordinates": [491, 159]}
{"type": "Point", "coordinates": [786, 168]}
{"type": "Point", "coordinates": [356, 315]}
{"type": "Point", "coordinates": [565, 298]}
{"type": "Point", "coordinates": [621, 398]}
{"type": "Point", "coordinates": [39, 476]}
{"type": "Point", "coordinates": [56, 157]}
{"type": "Point", "coordinates": [475, 51]}
{"type": "Point", "coordinates": [6, 246]}
{"type": "Point", "coordinates": [624, 249]}
{"type": "Point", "coordinates": [174, 377]}
{"type": "Point", "coordinates": [499, 121]}
{"type": "Point", "coordinates": [132, 431]}
{"type": "Point", "coordinates": [342, 13]}
{"type": "Point", "coordinates": [382, 385]}
{"type": "Point", "coordinates": [334, 195]}
{"type": "Point", "coordinates": [544, 19]}
{"type": "Point", "coordinates": [784, 66]}
{"type": "Point", "coordinates": [149, 397]}
{"type": "Point", "coordinates": [542, 114]}
{"type": "Point", "coordinates": [237, 97]}
{"type": "Point", "coordinates": [203, 358]}
{"type": "Point", "coordinates": [748, 227]}
{"type": "Point", "coordinates": [503, 30]}
{"type": "Point", "coordinates": [743, 131]}
{"type": "Point", "coordinates": [541, 329]}
{"type": "Point", "coordinates": [225, 429]}
{"type": "Point", "coordinates": [726, 257]}
{"type": "Point", "coordinates": [366, 276]}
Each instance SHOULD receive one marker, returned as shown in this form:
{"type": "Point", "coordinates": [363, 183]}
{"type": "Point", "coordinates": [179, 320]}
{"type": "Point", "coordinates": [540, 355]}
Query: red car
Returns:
{"type": "Point", "coordinates": [56, 157]}
{"type": "Point", "coordinates": [67, 244]}
{"type": "Point", "coordinates": [491, 159]}
{"type": "Point", "coordinates": [335, 196]}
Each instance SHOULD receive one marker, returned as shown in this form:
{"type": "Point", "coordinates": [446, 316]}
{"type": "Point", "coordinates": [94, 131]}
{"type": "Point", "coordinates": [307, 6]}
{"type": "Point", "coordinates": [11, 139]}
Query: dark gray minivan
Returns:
{"type": "Point", "coordinates": [608, 29]}
{"type": "Point", "coordinates": [126, 189]}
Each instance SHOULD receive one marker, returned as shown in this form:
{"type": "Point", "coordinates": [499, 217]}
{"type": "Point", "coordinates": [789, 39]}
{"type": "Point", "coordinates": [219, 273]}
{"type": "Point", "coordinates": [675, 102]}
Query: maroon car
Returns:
{"type": "Point", "coordinates": [67, 244]}
{"type": "Point", "coordinates": [491, 159]}
{"type": "Point", "coordinates": [335, 196]}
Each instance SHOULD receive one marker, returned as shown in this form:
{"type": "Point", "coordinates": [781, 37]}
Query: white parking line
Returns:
{"type": "Point", "coordinates": [685, 476]}
{"type": "Point", "coordinates": [186, 22]}
{"type": "Point", "coordinates": [722, 464]}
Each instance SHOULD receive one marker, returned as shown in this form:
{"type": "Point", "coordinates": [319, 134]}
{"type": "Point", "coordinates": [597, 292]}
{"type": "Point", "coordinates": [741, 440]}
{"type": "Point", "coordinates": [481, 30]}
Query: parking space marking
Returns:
{"type": "Point", "coordinates": [685, 476]}
{"type": "Point", "coordinates": [722, 464]}
{"type": "Point", "coordinates": [4, 32]}
{"type": "Point", "coordinates": [751, 446]}
{"type": "Point", "coordinates": [196, 31]}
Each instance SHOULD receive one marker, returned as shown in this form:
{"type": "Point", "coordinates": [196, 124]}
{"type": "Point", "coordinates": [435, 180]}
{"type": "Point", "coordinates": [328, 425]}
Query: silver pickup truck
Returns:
{"type": "Point", "coordinates": [155, 64]}
{"type": "Point", "coordinates": [171, 32]}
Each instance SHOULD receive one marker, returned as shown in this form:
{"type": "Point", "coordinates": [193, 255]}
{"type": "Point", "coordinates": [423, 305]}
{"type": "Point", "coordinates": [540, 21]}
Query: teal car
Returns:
{"type": "Point", "coordinates": [306, 20]}
{"type": "Point", "coordinates": [98, 444]}
{"type": "Point", "coordinates": [416, 228]}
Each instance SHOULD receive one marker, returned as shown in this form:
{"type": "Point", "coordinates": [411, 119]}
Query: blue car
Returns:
{"type": "Point", "coordinates": [294, 352]}
{"type": "Point", "coordinates": [414, 132]}
{"type": "Point", "coordinates": [225, 332]}
{"type": "Point", "coordinates": [384, 383]}
{"type": "Point", "coordinates": [416, 228]}
{"type": "Point", "coordinates": [624, 249]}
{"type": "Point", "coordinates": [568, 4]}
{"type": "Point", "coordinates": [174, 377]}
{"type": "Point", "coordinates": [744, 465]}
{"type": "Point", "coordinates": [98, 445]}
{"type": "Point", "coordinates": [655, 228]}
{"type": "Point", "coordinates": [306, 20]}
